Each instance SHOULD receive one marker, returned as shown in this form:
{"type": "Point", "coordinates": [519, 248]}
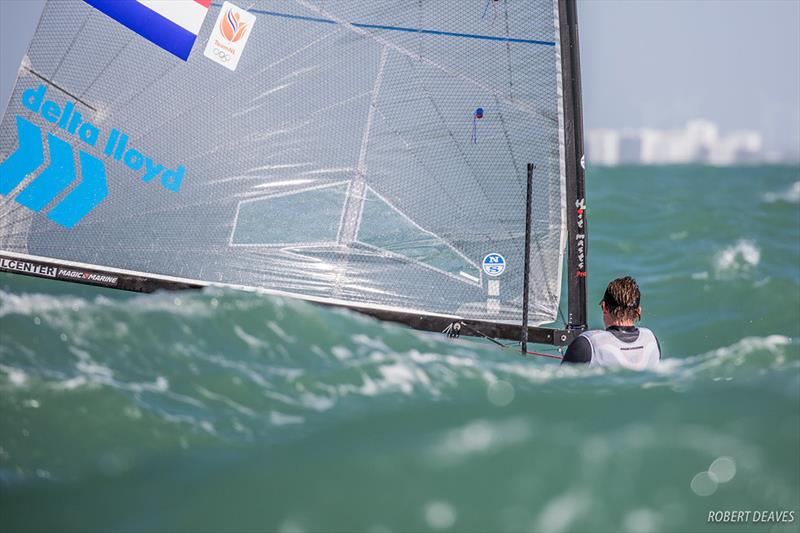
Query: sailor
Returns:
{"type": "Point", "coordinates": [621, 344]}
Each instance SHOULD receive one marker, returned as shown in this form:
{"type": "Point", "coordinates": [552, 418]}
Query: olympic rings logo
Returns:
{"type": "Point", "coordinates": [222, 55]}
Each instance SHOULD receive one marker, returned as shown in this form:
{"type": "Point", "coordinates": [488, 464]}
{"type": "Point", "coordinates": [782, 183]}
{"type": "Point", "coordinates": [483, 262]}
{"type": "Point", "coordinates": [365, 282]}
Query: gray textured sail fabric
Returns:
{"type": "Point", "coordinates": [362, 152]}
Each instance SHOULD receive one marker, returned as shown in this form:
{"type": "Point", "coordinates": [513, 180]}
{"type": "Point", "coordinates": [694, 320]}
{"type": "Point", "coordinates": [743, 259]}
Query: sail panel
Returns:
{"type": "Point", "coordinates": [363, 153]}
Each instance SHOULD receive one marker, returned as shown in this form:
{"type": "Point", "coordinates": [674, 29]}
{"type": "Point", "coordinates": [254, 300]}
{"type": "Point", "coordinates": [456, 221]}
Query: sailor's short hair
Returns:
{"type": "Point", "coordinates": [622, 298]}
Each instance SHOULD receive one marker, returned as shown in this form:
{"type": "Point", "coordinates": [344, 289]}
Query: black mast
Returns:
{"type": "Point", "coordinates": [527, 274]}
{"type": "Point", "coordinates": [576, 191]}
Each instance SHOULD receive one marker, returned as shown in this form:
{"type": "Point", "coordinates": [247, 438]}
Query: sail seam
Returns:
{"type": "Point", "coordinates": [354, 202]}
{"type": "Point", "coordinates": [405, 29]}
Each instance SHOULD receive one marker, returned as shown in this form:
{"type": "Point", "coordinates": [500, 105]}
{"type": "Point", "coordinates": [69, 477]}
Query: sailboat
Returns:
{"type": "Point", "coordinates": [419, 161]}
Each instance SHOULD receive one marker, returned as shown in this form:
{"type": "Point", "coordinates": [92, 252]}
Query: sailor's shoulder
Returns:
{"type": "Point", "coordinates": [593, 334]}
{"type": "Point", "coordinates": [646, 332]}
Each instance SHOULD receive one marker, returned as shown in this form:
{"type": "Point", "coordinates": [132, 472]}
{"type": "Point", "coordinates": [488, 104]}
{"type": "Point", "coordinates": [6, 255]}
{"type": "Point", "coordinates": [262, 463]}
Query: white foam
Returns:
{"type": "Point", "coordinates": [790, 195]}
{"type": "Point", "coordinates": [69, 384]}
{"type": "Point", "coordinates": [737, 259]}
{"type": "Point", "coordinates": [15, 375]}
{"type": "Point", "coordinates": [285, 337]}
{"type": "Point", "coordinates": [277, 418]}
{"type": "Point", "coordinates": [239, 408]}
{"type": "Point", "coordinates": [398, 376]}
{"type": "Point", "coordinates": [747, 345]}
{"type": "Point", "coordinates": [341, 353]}
{"type": "Point", "coordinates": [94, 371]}
{"type": "Point", "coordinates": [40, 304]}
{"type": "Point", "coordinates": [250, 340]}
{"type": "Point", "coordinates": [34, 303]}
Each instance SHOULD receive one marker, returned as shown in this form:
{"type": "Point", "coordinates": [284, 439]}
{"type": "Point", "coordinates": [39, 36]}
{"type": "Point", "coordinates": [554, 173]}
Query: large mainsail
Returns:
{"type": "Point", "coordinates": [367, 153]}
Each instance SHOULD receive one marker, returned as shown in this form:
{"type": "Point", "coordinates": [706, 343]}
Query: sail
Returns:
{"type": "Point", "coordinates": [363, 153]}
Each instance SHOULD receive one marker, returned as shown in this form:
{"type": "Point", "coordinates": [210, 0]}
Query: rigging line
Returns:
{"type": "Point", "coordinates": [507, 346]}
{"type": "Point", "coordinates": [57, 86]}
{"type": "Point", "coordinates": [541, 354]}
{"type": "Point", "coordinates": [504, 128]}
{"type": "Point", "coordinates": [545, 355]}
{"type": "Point", "coordinates": [480, 333]}
{"type": "Point", "coordinates": [508, 52]}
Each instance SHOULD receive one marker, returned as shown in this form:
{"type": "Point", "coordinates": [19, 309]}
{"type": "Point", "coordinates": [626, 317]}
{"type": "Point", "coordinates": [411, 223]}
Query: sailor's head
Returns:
{"type": "Point", "coordinates": [620, 302]}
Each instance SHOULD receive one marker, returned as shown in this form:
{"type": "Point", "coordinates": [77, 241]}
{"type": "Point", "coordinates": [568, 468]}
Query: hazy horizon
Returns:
{"type": "Point", "coordinates": [651, 64]}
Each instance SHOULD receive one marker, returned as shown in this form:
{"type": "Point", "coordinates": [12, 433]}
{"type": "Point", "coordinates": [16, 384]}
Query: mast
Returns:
{"type": "Point", "coordinates": [526, 278]}
{"type": "Point", "coordinates": [576, 191]}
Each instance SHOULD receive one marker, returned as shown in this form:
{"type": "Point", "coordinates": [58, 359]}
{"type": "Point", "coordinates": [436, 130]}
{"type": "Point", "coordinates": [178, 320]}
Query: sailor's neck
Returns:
{"type": "Point", "coordinates": [624, 326]}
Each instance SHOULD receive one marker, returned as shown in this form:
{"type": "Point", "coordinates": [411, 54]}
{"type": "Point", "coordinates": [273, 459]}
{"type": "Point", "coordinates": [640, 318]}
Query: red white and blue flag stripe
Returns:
{"type": "Point", "coordinates": [171, 24]}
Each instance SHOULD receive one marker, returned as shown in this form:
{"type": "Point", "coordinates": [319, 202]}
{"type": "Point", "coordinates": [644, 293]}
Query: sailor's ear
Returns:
{"type": "Point", "coordinates": [639, 312]}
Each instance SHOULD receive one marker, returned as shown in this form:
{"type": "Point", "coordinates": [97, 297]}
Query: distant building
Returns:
{"type": "Point", "coordinates": [698, 142]}
{"type": "Point", "coordinates": [630, 148]}
{"type": "Point", "coordinates": [604, 149]}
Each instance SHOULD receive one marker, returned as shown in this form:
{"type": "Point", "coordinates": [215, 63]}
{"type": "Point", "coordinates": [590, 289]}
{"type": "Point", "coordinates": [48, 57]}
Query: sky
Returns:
{"type": "Point", "coordinates": [659, 63]}
{"type": "Point", "coordinates": [645, 63]}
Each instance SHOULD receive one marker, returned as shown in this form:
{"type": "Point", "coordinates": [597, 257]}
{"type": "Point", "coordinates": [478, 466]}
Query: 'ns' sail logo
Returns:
{"type": "Point", "coordinates": [494, 265]}
{"type": "Point", "coordinates": [231, 27]}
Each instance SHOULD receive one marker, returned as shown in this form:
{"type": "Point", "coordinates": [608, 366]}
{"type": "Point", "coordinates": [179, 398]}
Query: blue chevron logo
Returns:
{"type": "Point", "coordinates": [55, 178]}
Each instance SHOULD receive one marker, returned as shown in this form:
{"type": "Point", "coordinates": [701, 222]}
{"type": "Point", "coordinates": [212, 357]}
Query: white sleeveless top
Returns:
{"type": "Point", "coordinates": [607, 350]}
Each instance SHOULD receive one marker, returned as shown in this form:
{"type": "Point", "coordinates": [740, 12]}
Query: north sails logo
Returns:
{"type": "Point", "coordinates": [61, 171]}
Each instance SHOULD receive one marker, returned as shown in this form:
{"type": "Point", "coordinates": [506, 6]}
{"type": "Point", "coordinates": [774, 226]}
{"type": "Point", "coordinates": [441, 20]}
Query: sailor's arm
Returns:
{"type": "Point", "coordinates": [578, 351]}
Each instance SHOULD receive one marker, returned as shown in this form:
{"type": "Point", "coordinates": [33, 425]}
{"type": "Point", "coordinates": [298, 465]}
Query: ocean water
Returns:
{"type": "Point", "coordinates": [220, 410]}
